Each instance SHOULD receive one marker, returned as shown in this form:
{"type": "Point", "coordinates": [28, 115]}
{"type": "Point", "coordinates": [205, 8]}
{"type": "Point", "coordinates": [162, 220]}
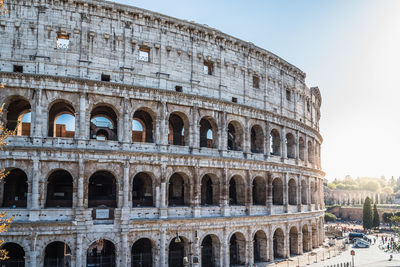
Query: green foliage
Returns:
{"type": "Point", "coordinates": [367, 214]}
{"type": "Point", "coordinates": [386, 217]}
{"type": "Point", "coordinates": [329, 217]}
{"type": "Point", "coordinates": [376, 220]}
{"type": "Point", "coordinates": [365, 183]}
{"type": "Point", "coordinates": [331, 186]}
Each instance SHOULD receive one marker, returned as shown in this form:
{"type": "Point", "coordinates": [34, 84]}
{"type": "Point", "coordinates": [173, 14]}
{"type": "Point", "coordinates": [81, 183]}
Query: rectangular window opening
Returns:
{"type": "Point", "coordinates": [178, 88]}
{"type": "Point", "coordinates": [208, 67]}
{"type": "Point", "coordinates": [62, 41]}
{"type": "Point", "coordinates": [288, 95]}
{"type": "Point", "coordinates": [105, 77]}
{"type": "Point", "coordinates": [234, 99]}
{"type": "Point", "coordinates": [256, 81]}
{"type": "Point", "coordinates": [18, 68]}
{"type": "Point", "coordinates": [144, 54]}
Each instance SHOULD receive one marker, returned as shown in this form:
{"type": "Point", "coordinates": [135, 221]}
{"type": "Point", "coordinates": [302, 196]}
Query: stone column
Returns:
{"type": "Point", "coordinates": [309, 193]}
{"type": "Point", "coordinates": [249, 201]}
{"type": "Point", "coordinates": [163, 201]}
{"type": "Point", "coordinates": [225, 249]}
{"type": "Point", "coordinates": [163, 125]}
{"type": "Point", "coordinates": [35, 183]}
{"type": "Point", "coordinates": [162, 247]}
{"type": "Point", "coordinates": [306, 150]}
{"type": "Point", "coordinates": [286, 242]}
{"type": "Point", "coordinates": [196, 192]}
{"type": "Point", "coordinates": [223, 133]}
{"type": "Point", "coordinates": [247, 139]}
{"type": "Point", "coordinates": [225, 193]}
{"type": "Point", "coordinates": [33, 258]}
{"type": "Point", "coordinates": [37, 123]}
{"type": "Point", "coordinates": [250, 248]}
{"type": "Point", "coordinates": [286, 192]}
{"type": "Point", "coordinates": [82, 129]}
{"type": "Point", "coordinates": [81, 178]}
{"type": "Point", "coordinates": [297, 148]}
{"type": "Point", "coordinates": [283, 144]}
{"type": "Point", "coordinates": [125, 249]}
{"type": "Point", "coordinates": [79, 250]}
{"type": "Point", "coordinates": [126, 185]}
{"type": "Point", "coordinates": [267, 141]}
{"type": "Point", "coordinates": [127, 134]}
{"type": "Point", "coordinates": [269, 193]}
{"type": "Point", "coordinates": [300, 241]}
{"type": "Point", "coordinates": [270, 242]}
{"type": "Point", "coordinates": [299, 193]}
{"type": "Point", "coordinates": [194, 128]}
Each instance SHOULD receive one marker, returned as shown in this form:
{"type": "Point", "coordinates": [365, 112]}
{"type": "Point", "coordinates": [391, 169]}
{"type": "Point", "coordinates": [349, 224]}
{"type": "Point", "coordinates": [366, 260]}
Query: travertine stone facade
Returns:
{"type": "Point", "coordinates": [224, 168]}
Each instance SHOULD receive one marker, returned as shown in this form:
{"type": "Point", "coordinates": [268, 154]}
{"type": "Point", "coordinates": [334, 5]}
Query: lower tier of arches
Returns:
{"type": "Point", "coordinates": [221, 242]}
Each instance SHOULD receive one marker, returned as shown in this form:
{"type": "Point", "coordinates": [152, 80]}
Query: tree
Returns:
{"type": "Point", "coordinates": [329, 217]}
{"type": "Point", "coordinates": [376, 221]}
{"type": "Point", "coordinates": [386, 217]}
{"type": "Point", "coordinates": [367, 214]}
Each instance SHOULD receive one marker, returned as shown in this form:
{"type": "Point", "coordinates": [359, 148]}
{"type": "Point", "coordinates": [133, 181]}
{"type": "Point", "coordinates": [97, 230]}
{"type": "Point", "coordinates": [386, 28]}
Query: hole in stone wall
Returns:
{"type": "Point", "coordinates": [105, 77]}
{"type": "Point", "coordinates": [18, 68]}
{"type": "Point", "coordinates": [178, 88]}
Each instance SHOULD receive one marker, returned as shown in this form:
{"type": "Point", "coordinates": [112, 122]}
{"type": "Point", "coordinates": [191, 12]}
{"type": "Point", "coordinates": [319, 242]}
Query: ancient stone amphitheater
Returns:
{"type": "Point", "coordinates": [147, 140]}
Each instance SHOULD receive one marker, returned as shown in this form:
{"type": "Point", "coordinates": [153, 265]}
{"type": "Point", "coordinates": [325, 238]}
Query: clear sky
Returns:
{"type": "Point", "coordinates": [350, 49]}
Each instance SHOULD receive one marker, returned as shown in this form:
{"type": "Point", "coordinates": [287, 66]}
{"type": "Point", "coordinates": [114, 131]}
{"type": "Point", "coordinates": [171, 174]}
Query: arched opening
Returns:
{"type": "Point", "coordinates": [18, 109]}
{"type": "Point", "coordinates": [15, 189]}
{"type": "Point", "coordinates": [277, 192]}
{"type": "Point", "coordinates": [178, 191]}
{"type": "Point", "coordinates": [310, 152]}
{"type": "Point", "coordinates": [142, 127]}
{"type": "Point", "coordinates": [306, 239]}
{"type": "Point", "coordinates": [312, 188]}
{"type": "Point", "coordinates": [142, 190]}
{"type": "Point", "coordinates": [301, 148]}
{"type": "Point", "coordinates": [102, 190]}
{"type": "Point", "coordinates": [57, 254]}
{"type": "Point", "coordinates": [275, 143]}
{"type": "Point", "coordinates": [210, 248]}
{"type": "Point", "coordinates": [290, 146]}
{"type": "Point", "coordinates": [101, 253]}
{"type": "Point", "coordinates": [259, 189]}
{"type": "Point", "coordinates": [237, 192]}
{"type": "Point", "coordinates": [103, 123]}
{"type": "Point", "coordinates": [142, 253]}
{"type": "Point", "coordinates": [16, 255]}
{"type": "Point", "coordinates": [237, 249]}
{"type": "Point", "coordinates": [178, 129]}
{"type": "Point", "coordinates": [260, 250]}
{"type": "Point", "coordinates": [314, 235]}
{"type": "Point", "coordinates": [292, 190]}
{"type": "Point", "coordinates": [209, 190]}
{"type": "Point", "coordinates": [59, 189]}
{"type": "Point", "coordinates": [303, 192]}
{"type": "Point", "coordinates": [235, 136]}
{"type": "Point", "coordinates": [293, 241]}
{"type": "Point", "coordinates": [61, 120]}
{"type": "Point", "coordinates": [279, 244]}
{"type": "Point", "coordinates": [257, 139]}
{"type": "Point", "coordinates": [176, 252]}
{"type": "Point", "coordinates": [208, 132]}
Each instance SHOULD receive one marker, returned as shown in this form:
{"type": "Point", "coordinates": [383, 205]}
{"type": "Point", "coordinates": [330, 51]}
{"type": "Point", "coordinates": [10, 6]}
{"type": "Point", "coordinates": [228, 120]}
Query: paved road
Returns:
{"type": "Point", "coordinates": [365, 257]}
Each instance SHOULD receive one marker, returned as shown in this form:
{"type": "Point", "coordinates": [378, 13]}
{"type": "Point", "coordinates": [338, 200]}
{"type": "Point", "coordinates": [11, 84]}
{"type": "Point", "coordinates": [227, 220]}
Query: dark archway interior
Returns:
{"type": "Point", "coordinates": [176, 130]}
{"type": "Point", "coordinates": [207, 252]}
{"type": "Point", "coordinates": [176, 252]}
{"type": "Point", "coordinates": [292, 191]}
{"type": "Point", "coordinates": [15, 189]}
{"type": "Point", "coordinates": [16, 255]}
{"type": "Point", "coordinates": [290, 146]}
{"type": "Point", "coordinates": [275, 143]}
{"type": "Point", "coordinates": [59, 189]}
{"type": "Point", "coordinates": [142, 190]}
{"type": "Point", "coordinates": [55, 111]}
{"type": "Point", "coordinates": [234, 137]}
{"type": "Point", "coordinates": [208, 191]}
{"type": "Point", "coordinates": [15, 110]}
{"type": "Point", "coordinates": [301, 148]}
{"type": "Point", "coordinates": [259, 189]}
{"type": "Point", "coordinates": [257, 139]}
{"type": "Point", "coordinates": [277, 192]}
{"type": "Point", "coordinates": [103, 122]}
{"type": "Point", "coordinates": [57, 254]}
{"type": "Point", "coordinates": [142, 253]}
{"type": "Point", "coordinates": [260, 249]}
{"type": "Point", "coordinates": [278, 243]}
{"type": "Point", "coordinates": [207, 125]}
{"type": "Point", "coordinates": [237, 250]}
{"type": "Point", "coordinates": [102, 190]}
{"type": "Point", "coordinates": [101, 254]}
{"type": "Point", "coordinates": [177, 191]}
{"type": "Point", "coordinates": [146, 121]}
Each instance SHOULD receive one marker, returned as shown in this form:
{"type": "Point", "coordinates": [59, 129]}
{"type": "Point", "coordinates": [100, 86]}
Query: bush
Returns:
{"type": "Point", "coordinates": [329, 217]}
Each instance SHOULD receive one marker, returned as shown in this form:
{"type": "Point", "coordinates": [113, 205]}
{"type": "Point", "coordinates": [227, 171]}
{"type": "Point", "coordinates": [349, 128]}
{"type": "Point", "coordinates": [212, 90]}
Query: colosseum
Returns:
{"type": "Point", "coordinates": [146, 140]}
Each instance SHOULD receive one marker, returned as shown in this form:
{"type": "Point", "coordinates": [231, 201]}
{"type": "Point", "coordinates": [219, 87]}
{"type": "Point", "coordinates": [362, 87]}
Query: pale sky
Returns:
{"type": "Point", "coordinates": [349, 49]}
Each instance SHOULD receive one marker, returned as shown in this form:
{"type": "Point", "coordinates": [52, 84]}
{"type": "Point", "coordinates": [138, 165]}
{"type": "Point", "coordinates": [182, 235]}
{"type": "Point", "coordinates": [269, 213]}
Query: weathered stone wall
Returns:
{"type": "Point", "coordinates": [105, 38]}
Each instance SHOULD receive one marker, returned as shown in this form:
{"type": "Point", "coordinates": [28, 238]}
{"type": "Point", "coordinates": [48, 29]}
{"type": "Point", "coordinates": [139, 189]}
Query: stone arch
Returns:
{"type": "Point", "coordinates": [143, 118]}
{"type": "Point", "coordinates": [102, 190]}
{"type": "Point", "coordinates": [208, 132]}
{"type": "Point", "coordinates": [306, 238]}
{"type": "Point", "coordinates": [237, 249]}
{"type": "Point", "coordinates": [61, 119]}
{"type": "Point", "coordinates": [142, 190]}
{"type": "Point", "coordinates": [304, 189]}
{"type": "Point", "coordinates": [237, 194]}
{"type": "Point", "coordinates": [279, 243]}
{"type": "Point", "coordinates": [15, 189]}
{"type": "Point", "coordinates": [290, 146]}
{"type": "Point", "coordinates": [235, 136]}
{"type": "Point", "coordinates": [16, 255]}
{"type": "Point", "coordinates": [314, 235]}
{"type": "Point", "coordinates": [294, 241]}
{"type": "Point", "coordinates": [259, 188]}
{"type": "Point", "coordinates": [15, 109]}
{"type": "Point", "coordinates": [57, 254]}
{"type": "Point", "coordinates": [210, 251]}
{"type": "Point", "coordinates": [142, 252]}
{"type": "Point", "coordinates": [257, 139]}
{"type": "Point", "coordinates": [209, 190]}
{"type": "Point", "coordinates": [101, 250]}
{"type": "Point", "coordinates": [178, 191]}
{"type": "Point", "coordinates": [104, 123]}
{"type": "Point", "coordinates": [275, 142]}
{"type": "Point", "coordinates": [178, 251]}
{"type": "Point", "coordinates": [260, 247]}
{"type": "Point", "coordinates": [59, 189]}
{"type": "Point", "coordinates": [277, 191]}
{"type": "Point", "coordinates": [178, 129]}
{"type": "Point", "coordinates": [292, 191]}
{"type": "Point", "coordinates": [301, 148]}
